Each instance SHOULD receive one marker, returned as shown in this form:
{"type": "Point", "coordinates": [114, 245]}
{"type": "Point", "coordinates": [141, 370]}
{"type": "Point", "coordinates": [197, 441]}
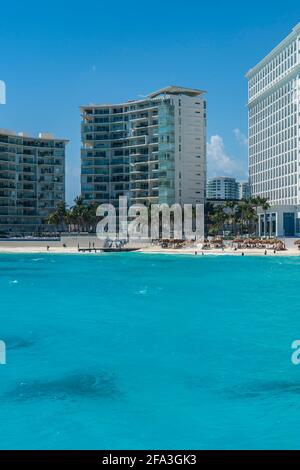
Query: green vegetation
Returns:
{"type": "Point", "coordinates": [235, 217]}
{"type": "Point", "coordinates": [78, 218]}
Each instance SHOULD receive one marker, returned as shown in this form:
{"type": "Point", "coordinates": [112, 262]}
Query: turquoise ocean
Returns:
{"type": "Point", "coordinates": [139, 351]}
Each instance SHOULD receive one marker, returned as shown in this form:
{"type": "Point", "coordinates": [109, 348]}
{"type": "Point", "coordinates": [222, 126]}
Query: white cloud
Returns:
{"type": "Point", "coordinates": [240, 137]}
{"type": "Point", "coordinates": [219, 163]}
{"type": "Point", "coordinates": [2, 92]}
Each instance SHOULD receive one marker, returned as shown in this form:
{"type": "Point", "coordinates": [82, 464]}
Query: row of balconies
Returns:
{"type": "Point", "coordinates": [20, 143]}
{"type": "Point", "coordinates": [7, 177]}
{"type": "Point", "coordinates": [123, 111]}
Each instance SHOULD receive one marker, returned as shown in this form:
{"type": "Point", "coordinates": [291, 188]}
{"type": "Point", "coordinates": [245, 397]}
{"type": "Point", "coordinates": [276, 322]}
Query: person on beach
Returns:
{"type": "Point", "coordinates": [48, 247]}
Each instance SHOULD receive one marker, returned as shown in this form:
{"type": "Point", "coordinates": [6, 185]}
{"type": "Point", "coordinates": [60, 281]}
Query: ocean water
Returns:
{"type": "Point", "coordinates": [138, 351]}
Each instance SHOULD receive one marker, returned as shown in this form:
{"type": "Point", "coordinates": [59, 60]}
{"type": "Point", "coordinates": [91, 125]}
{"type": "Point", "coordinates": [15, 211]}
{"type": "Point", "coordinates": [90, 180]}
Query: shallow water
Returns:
{"type": "Point", "coordinates": [149, 351]}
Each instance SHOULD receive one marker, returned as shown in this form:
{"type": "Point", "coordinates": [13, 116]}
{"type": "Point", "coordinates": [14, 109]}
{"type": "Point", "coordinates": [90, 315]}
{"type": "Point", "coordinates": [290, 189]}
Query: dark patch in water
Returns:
{"type": "Point", "coordinates": [73, 386]}
{"type": "Point", "coordinates": [264, 389]}
{"type": "Point", "coordinates": [18, 343]}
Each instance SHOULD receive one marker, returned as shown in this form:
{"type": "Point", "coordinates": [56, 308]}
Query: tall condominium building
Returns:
{"type": "Point", "coordinates": [222, 188]}
{"type": "Point", "coordinates": [274, 120]}
{"type": "Point", "coordinates": [153, 150]}
{"type": "Point", "coordinates": [32, 180]}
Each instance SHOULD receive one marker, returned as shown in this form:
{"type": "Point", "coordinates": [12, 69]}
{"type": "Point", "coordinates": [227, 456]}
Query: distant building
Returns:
{"type": "Point", "coordinates": [32, 180]}
{"type": "Point", "coordinates": [244, 190]}
{"type": "Point", "coordinates": [152, 150]}
{"type": "Point", "coordinates": [222, 188]}
{"type": "Point", "coordinates": [274, 144]}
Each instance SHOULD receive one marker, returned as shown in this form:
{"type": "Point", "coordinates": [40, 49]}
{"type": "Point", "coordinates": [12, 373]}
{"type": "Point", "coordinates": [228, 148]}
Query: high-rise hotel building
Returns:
{"type": "Point", "coordinates": [152, 150]}
{"type": "Point", "coordinates": [32, 180]}
{"type": "Point", "coordinates": [274, 146]}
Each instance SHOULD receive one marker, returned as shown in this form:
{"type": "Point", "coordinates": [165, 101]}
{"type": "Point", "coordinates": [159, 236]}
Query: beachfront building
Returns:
{"type": "Point", "coordinates": [244, 190]}
{"type": "Point", "coordinates": [222, 188]}
{"type": "Point", "coordinates": [152, 150]}
{"type": "Point", "coordinates": [32, 180]}
{"type": "Point", "coordinates": [274, 145]}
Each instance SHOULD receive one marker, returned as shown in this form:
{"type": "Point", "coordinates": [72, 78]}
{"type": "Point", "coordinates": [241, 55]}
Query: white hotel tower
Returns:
{"type": "Point", "coordinates": [274, 146]}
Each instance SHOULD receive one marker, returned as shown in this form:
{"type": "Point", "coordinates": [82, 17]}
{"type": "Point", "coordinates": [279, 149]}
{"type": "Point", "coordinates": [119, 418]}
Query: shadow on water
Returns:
{"type": "Point", "coordinates": [77, 385]}
{"type": "Point", "coordinates": [14, 342]}
{"type": "Point", "coordinates": [264, 389]}
{"type": "Point", "coordinates": [240, 391]}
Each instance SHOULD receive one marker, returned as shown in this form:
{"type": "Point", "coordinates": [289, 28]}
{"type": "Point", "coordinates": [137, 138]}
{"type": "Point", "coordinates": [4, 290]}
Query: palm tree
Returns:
{"type": "Point", "coordinates": [208, 212]}
{"type": "Point", "coordinates": [218, 217]}
{"type": "Point", "coordinates": [53, 219]}
{"type": "Point", "coordinates": [78, 213]}
{"type": "Point", "coordinates": [70, 220]}
{"type": "Point", "coordinates": [90, 217]}
{"type": "Point", "coordinates": [79, 217]}
{"type": "Point", "coordinates": [230, 215]}
{"type": "Point", "coordinates": [265, 206]}
{"type": "Point", "coordinates": [248, 215]}
{"type": "Point", "coordinates": [58, 216]}
{"type": "Point", "coordinates": [256, 202]}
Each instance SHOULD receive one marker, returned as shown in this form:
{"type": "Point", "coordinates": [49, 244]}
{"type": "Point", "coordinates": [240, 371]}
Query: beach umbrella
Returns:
{"type": "Point", "coordinates": [297, 242]}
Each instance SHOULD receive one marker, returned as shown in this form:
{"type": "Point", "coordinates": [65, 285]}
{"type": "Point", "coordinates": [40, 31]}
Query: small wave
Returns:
{"type": "Point", "coordinates": [15, 281]}
{"type": "Point", "coordinates": [143, 291]}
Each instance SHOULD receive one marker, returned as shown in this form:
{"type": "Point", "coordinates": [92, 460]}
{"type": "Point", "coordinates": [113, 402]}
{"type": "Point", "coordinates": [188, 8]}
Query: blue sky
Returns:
{"type": "Point", "coordinates": [58, 55]}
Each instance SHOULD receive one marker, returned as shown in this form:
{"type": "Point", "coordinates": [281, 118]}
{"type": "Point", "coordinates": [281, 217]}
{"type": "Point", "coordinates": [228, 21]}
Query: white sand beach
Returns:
{"type": "Point", "coordinates": [36, 249]}
{"type": "Point", "coordinates": [59, 247]}
{"type": "Point", "coordinates": [218, 251]}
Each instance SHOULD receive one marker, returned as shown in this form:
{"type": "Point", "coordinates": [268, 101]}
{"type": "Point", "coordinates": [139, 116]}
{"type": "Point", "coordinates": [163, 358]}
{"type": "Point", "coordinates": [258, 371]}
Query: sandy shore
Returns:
{"type": "Point", "coordinates": [24, 248]}
{"type": "Point", "coordinates": [225, 252]}
{"type": "Point", "coordinates": [36, 249]}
